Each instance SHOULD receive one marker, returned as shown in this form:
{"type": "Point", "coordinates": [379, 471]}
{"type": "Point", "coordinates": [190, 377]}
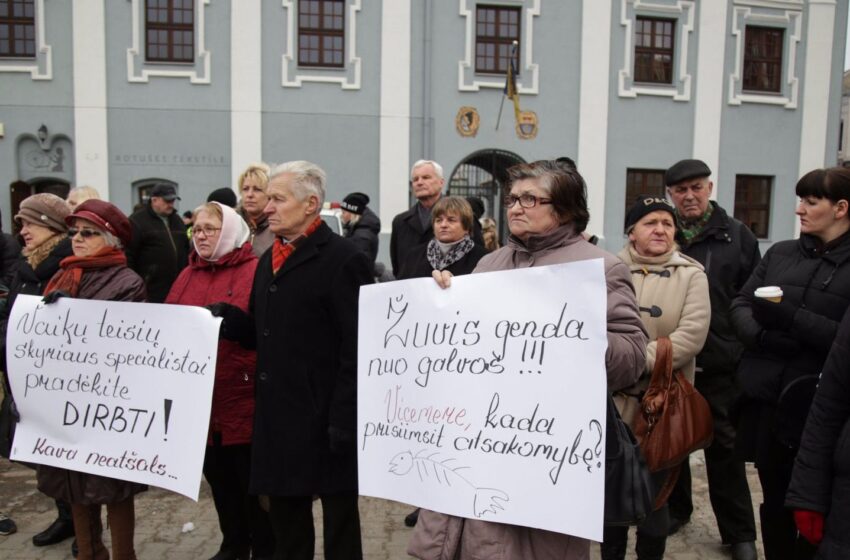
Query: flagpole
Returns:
{"type": "Point", "coordinates": [508, 88]}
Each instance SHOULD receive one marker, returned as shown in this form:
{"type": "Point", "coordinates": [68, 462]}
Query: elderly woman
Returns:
{"type": "Point", "coordinates": [788, 342]}
{"type": "Point", "coordinates": [253, 186]}
{"type": "Point", "coordinates": [672, 292]}
{"type": "Point", "coordinates": [546, 212]}
{"type": "Point", "coordinates": [221, 269]}
{"type": "Point", "coordinates": [97, 270]}
{"type": "Point", "coordinates": [452, 248]}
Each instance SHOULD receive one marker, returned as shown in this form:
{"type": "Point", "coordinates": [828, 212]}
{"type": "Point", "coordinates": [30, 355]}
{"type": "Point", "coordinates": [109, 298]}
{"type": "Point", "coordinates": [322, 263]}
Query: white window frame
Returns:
{"type": "Point", "coordinates": [40, 67]}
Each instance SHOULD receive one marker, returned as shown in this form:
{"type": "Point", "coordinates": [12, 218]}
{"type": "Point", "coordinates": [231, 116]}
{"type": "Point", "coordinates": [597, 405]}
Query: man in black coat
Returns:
{"type": "Point", "coordinates": [160, 247]}
{"type": "Point", "coordinates": [729, 252]}
{"type": "Point", "coordinates": [304, 307]}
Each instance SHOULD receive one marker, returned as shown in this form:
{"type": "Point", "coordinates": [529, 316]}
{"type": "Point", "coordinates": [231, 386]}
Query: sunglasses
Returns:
{"type": "Point", "coordinates": [85, 233]}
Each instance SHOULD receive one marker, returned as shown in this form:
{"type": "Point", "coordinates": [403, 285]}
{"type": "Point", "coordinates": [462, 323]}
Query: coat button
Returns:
{"type": "Point", "coordinates": [263, 376]}
{"type": "Point", "coordinates": [273, 288]}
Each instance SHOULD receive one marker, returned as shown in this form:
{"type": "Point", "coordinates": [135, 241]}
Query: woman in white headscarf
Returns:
{"type": "Point", "coordinates": [221, 269]}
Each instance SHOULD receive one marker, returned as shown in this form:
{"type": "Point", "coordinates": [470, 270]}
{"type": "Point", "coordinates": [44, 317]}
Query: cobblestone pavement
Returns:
{"type": "Point", "coordinates": [161, 516]}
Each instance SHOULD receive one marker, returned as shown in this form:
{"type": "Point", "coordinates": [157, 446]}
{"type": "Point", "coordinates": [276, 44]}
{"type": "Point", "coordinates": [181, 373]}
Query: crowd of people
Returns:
{"type": "Point", "coordinates": [282, 429]}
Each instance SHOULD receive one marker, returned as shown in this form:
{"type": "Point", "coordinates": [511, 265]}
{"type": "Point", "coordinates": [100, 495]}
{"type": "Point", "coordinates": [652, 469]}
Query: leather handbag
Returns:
{"type": "Point", "coordinates": [675, 420]}
{"type": "Point", "coordinates": [628, 486]}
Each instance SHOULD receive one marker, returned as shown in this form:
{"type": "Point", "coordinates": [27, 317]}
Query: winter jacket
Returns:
{"type": "Point", "coordinates": [445, 537]}
{"type": "Point", "coordinates": [816, 281]}
{"type": "Point", "coordinates": [227, 280]}
{"type": "Point", "coordinates": [157, 252]}
{"type": "Point", "coordinates": [114, 283]}
{"type": "Point", "coordinates": [261, 236]}
{"type": "Point", "coordinates": [728, 252]}
{"type": "Point", "coordinates": [821, 477]}
{"type": "Point", "coordinates": [416, 264]}
{"type": "Point", "coordinates": [365, 233]}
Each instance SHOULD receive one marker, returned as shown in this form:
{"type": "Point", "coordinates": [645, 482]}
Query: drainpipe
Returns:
{"type": "Point", "coordinates": [427, 134]}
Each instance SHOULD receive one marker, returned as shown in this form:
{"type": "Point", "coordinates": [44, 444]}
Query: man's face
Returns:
{"type": "Point", "coordinates": [161, 206]}
{"type": "Point", "coordinates": [426, 184]}
{"type": "Point", "coordinates": [690, 197]}
{"type": "Point", "coordinates": [288, 216]}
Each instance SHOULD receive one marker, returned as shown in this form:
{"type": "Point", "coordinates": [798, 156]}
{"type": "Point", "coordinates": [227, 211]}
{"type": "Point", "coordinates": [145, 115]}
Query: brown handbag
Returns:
{"type": "Point", "coordinates": [675, 420]}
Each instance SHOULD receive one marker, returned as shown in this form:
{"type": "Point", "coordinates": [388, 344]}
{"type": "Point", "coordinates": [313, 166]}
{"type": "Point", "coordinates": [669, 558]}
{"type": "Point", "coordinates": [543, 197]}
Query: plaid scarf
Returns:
{"type": "Point", "coordinates": [71, 272]}
{"type": "Point", "coordinates": [690, 230]}
{"type": "Point", "coordinates": [281, 250]}
{"type": "Point", "coordinates": [440, 261]}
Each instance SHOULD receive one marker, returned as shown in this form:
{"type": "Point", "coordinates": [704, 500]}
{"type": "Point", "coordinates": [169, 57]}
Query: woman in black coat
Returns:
{"type": "Point", "coordinates": [452, 248]}
{"type": "Point", "coordinates": [787, 344]}
{"type": "Point", "coordinates": [820, 484]}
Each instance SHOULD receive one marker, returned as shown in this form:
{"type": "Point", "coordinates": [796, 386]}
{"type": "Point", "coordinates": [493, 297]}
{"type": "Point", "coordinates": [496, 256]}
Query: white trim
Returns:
{"type": "Point", "coordinates": [394, 166]}
{"type": "Point", "coordinates": [791, 21]}
{"type": "Point", "coordinates": [348, 77]}
{"type": "Point", "coordinates": [593, 106]}
{"type": "Point", "coordinates": [711, 53]}
{"type": "Point", "coordinates": [683, 12]}
{"type": "Point", "coordinates": [140, 71]}
{"type": "Point", "coordinates": [468, 80]}
{"type": "Point", "coordinates": [91, 144]}
{"type": "Point", "coordinates": [40, 68]}
{"type": "Point", "coordinates": [773, 4]}
{"type": "Point", "coordinates": [246, 81]}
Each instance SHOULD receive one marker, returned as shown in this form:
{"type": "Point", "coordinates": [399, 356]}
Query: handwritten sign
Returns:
{"type": "Point", "coordinates": [117, 389]}
{"type": "Point", "coordinates": [487, 400]}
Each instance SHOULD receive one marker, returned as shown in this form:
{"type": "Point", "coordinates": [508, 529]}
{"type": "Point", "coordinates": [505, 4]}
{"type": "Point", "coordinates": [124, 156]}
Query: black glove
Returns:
{"type": "Point", "coordinates": [779, 343]}
{"type": "Point", "coordinates": [340, 441]}
{"type": "Point", "coordinates": [774, 316]}
{"type": "Point", "coordinates": [235, 325]}
{"type": "Point", "coordinates": [53, 296]}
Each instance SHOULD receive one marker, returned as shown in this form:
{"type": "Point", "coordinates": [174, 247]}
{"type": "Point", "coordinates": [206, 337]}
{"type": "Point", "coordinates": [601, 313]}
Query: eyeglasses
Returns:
{"type": "Point", "coordinates": [207, 231]}
{"type": "Point", "coordinates": [525, 200]}
{"type": "Point", "coordinates": [84, 233]}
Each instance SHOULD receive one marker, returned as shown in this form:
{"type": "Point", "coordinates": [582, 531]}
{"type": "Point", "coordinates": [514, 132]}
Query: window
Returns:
{"type": "Point", "coordinates": [752, 202]}
{"type": "Point", "coordinates": [654, 40]}
{"type": "Point", "coordinates": [170, 30]}
{"type": "Point", "coordinates": [321, 33]}
{"type": "Point", "coordinates": [763, 59]}
{"type": "Point", "coordinates": [496, 28]}
{"type": "Point", "coordinates": [17, 28]}
{"type": "Point", "coordinates": [643, 181]}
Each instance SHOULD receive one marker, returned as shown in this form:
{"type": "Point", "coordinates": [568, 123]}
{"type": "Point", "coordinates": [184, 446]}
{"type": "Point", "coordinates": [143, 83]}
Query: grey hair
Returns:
{"type": "Point", "coordinates": [310, 179]}
{"type": "Point", "coordinates": [437, 167]}
{"type": "Point", "coordinates": [110, 239]}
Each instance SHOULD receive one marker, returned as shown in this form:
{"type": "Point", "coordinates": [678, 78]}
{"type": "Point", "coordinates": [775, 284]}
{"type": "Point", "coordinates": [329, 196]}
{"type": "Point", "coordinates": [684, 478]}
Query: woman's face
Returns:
{"type": "Point", "coordinates": [206, 233]}
{"type": "Point", "coordinates": [86, 238]}
{"type": "Point", "coordinates": [653, 235]}
{"type": "Point", "coordinates": [34, 234]}
{"type": "Point", "coordinates": [448, 228]}
{"type": "Point", "coordinates": [822, 218]}
{"type": "Point", "coordinates": [254, 197]}
{"type": "Point", "coordinates": [537, 220]}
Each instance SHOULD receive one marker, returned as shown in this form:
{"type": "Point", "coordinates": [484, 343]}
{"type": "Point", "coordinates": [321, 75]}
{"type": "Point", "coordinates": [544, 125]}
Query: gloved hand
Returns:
{"type": "Point", "coordinates": [779, 343]}
{"type": "Point", "coordinates": [341, 441]}
{"type": "Point", "coordinates": [235, 324]}
{"type": "Point", "coordinates": [776, 316]}
{"type": "Point", "coordinates": [53, 296]}
{"type": "Point", "coordinates": [810, 525]}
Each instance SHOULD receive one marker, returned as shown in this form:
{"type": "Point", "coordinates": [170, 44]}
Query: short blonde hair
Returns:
{"type": "Point", "coordinates": [259, 171]}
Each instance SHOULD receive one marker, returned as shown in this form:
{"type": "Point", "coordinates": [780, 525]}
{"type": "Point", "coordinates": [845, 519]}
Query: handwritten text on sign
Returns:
{"type": "Point", "coordinates": [116, 389]}
{"type": "Point", "coordinates": [487, 400]}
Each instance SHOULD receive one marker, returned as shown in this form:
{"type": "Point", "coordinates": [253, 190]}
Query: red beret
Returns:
{"type": "Point", "coordinates": [106, 216]}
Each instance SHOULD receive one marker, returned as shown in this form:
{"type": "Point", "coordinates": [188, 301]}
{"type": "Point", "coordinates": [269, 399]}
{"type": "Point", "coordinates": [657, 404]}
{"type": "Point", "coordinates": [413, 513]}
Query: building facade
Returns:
{"type": "Point", "coordinates": [123, 94]}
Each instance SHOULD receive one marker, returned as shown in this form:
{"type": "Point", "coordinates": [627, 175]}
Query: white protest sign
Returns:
{"type": "Point", "coordinates": [487, 400]}
{"type": "Point", "coordinates": [117, 389]}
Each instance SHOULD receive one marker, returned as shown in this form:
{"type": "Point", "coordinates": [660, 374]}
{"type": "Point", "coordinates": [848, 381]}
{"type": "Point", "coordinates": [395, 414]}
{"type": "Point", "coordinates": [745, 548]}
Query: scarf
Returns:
{"type": "Point", "coordinates": [71, 269]}
{"type": "Point", "coordinates": [281, 250]}
{"type": "Point", "coordinates": [38, 254]}
{"type": "Point", "coordinates": [691, 230]}
{"type": "Point", "coordinates": [439, 260]}
{"type": "Point", "coordinates": [234, 233]}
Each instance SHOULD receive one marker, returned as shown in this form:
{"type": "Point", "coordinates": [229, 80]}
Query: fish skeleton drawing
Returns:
{"type": "Point", "coordinates": [436, 471]}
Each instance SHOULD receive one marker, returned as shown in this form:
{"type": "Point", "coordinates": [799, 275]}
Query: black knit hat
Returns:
{"type": "Point", "coordinates": [644, 205]}
{"type": "Point", "coordinates": [224, 195]}
{"type": "Point", "coordinates": [684, 170]}
{"type": "Point", "coordinates": [355, 202]}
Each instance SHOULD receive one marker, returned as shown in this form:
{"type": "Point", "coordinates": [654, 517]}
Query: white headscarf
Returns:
{"type": "Point", "coordinates": [234, 233]}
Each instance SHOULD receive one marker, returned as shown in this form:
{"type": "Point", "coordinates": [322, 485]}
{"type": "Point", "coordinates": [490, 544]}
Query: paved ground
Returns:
{"type": "Point", "coordinates": [162, 515]}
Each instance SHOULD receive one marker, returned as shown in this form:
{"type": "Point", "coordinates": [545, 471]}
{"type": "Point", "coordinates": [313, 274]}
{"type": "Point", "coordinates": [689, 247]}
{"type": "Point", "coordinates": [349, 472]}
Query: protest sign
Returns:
{"type": "Point", "coordinates": [487, 400]}
{"type": "Point", "coordinates": [117, 389]}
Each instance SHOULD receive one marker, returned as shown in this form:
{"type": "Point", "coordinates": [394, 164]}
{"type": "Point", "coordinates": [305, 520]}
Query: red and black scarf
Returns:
{"type": "Point", "coordinates": [72, 268]}
{"type": "Point", "coordinates": [281, 250]}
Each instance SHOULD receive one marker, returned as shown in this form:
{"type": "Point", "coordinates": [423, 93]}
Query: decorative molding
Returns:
{"type": "Point", "coordinates": [140, 71]}
{"type": "Point", "coordinates": [774, 4]}
{"type": "Point", "coordinates": [792, 22]}
{"type": "Point", "coordinates": [293, 75]}
{"type": "Point", "coordinates": [468, 80]}
{"type": "Point", "coordinates": [683, 12]}
{"type": "Point", "coordinates": [40, 67]}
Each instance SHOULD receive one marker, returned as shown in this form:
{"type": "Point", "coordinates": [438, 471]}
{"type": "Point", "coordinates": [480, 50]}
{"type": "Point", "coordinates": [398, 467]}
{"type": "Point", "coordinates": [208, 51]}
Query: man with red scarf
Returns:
{"type": "Point", "coordinates": [304, 317]}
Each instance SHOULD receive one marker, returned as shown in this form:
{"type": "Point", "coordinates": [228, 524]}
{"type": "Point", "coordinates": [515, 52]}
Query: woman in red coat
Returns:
{"type": "Point", "coordinates": [221, 269]}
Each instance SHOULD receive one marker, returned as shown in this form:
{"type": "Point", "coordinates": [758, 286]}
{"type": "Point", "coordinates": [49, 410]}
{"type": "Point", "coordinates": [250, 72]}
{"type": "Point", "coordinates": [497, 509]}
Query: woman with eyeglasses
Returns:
{"type": "Point", "coordinates": [97, 270]}
{"type": "Point", "coordinates": [221, 269]}
{"type": "Point", "coordinates": [547, 212]}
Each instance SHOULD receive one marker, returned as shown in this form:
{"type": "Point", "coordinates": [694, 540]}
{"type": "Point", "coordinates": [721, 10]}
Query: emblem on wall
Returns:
{"type": "Point", "coordinates": [527, 125]}
{"type": "Point", "coordinates": [467, 121]}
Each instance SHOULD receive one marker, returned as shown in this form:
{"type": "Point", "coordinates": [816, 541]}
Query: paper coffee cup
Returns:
{"type": "Point", "coordinates": [770, 293]}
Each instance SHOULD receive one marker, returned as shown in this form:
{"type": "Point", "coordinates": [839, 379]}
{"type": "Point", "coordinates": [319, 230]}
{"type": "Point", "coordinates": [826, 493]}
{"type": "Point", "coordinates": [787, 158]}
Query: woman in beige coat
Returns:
{"type": "Point", "coordinates": [672, 292]}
